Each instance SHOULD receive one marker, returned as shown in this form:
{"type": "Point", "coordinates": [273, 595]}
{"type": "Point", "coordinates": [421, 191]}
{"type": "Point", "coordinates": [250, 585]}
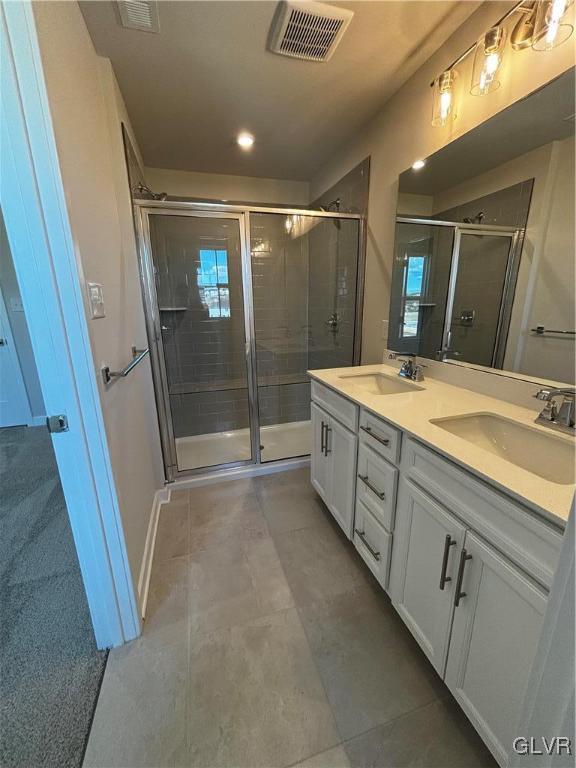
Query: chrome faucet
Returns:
{"type": "Point", "coordinates": [409, 369]}
{"type": "Point", "coordinates": [561, 418]}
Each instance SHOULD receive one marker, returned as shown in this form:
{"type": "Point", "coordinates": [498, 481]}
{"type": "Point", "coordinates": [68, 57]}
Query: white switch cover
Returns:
{"type": "Point", "coordinates": [96, 298]}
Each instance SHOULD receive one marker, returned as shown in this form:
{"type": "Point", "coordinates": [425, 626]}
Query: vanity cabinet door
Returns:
{"type": "Point", "coordinates": [495, 631]}
{"type": "Point", "coordinates": [341, 448]}
{"type": "Point", "coordinates": [427, 541]}
{"type": "Point", "coordinates": [320, 463]}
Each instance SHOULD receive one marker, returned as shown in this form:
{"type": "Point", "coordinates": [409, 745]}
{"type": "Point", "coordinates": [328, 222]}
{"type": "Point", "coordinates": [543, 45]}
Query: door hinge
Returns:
{"type": "Point", "coordinates": [57, 423]}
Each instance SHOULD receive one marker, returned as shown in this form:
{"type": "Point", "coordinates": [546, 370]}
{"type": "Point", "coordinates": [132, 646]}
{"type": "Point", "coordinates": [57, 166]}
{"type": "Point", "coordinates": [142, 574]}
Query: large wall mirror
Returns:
{"type": "Point", "coordinates": [485, 244]}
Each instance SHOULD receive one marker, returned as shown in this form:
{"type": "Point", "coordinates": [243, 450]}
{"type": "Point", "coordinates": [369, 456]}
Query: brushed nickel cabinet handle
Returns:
{"type": "Point", "coordinates": [362, 537]}
{"type": "Point", "coordinates": [368, 430]}
{"type": "Point", "coordinates": [326, 449]}
{"type": "Point", "coordinates": [464, 556]}
{"type": "Point", "coordinates": [322, 438]}
{"type": "Point", "coordinates": [381, 495]}
{"type": "Point", "coordinates": [449, 542]}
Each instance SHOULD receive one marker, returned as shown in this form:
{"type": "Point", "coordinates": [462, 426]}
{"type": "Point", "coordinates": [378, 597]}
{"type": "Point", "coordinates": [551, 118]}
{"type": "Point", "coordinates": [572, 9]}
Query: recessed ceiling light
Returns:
{"type": "Point", "coordinates": [418, 164]}
{"type": "Point", "coordinates": [245, 140]}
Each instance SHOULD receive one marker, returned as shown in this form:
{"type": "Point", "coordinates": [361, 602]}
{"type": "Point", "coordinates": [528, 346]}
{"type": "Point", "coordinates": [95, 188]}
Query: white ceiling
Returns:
{"type": "Point", "coordinates": [208, 74]}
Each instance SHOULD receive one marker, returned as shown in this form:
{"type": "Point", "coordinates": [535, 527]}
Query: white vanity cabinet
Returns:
{"type": "Point", "coordinates": [467, 567]}
{"type": "Point", "coordinates": [494, 637]}
{"type": "Point", "coordinates": [333, 466]}
{"type": "Point", "coordinates": [428, 540]}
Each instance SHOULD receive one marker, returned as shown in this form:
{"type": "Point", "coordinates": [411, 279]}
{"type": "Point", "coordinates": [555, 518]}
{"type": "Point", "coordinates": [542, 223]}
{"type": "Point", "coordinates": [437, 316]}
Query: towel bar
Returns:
{"type": "Point", "coordinates": [137, 356]}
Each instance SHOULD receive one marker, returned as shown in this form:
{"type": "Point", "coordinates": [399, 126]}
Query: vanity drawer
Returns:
{"type": "Point", "coordinates": [528, 540]}
{"type": "Point", "coordinates": [376, 485]}
{"type": "Point", "coordinates": [342, 409]}
{"type": "Point", "coordinates": [380, 436]}
{"type": "Point", "coordinates": [373, 543]}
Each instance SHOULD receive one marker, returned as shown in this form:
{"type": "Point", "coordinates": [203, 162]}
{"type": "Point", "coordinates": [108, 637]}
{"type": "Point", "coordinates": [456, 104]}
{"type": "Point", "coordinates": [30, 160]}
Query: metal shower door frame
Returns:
{"type": "Point", "coordinates": [153, 327]}
{"type": "Point", "coordinates": [513, 262]}
{"type": "Point", "coordinates": [241, 213]}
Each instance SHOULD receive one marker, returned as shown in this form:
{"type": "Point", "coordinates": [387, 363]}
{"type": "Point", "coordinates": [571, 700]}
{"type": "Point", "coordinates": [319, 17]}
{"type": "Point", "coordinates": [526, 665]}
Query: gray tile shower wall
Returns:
{"type": "Point", "coordinates": [299, 280]}
{"type": "Point", "coordinates": [505, 208]}
{"type": "Point", "coordinates": [352, 190]}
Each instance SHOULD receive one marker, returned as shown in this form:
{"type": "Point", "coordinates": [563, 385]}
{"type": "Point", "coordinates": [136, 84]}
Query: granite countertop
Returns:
{"type": "Point", "coordinates": [412, 411]}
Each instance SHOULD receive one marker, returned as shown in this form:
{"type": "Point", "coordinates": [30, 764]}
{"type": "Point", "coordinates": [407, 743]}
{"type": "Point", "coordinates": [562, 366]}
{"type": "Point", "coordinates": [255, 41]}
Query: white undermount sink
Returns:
{"type": "Point", "coordinates": [380, 383]}
{"type": "Point", "coordinates": [548, 456]}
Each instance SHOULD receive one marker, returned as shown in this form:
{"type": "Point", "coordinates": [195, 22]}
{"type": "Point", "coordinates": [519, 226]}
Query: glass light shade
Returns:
{"type": "Point", "coordinates": [443, 99]}
{"type": "Point", "coordinates": [550, 28]}
{"type": "Point", "coordinates": [487, 61]}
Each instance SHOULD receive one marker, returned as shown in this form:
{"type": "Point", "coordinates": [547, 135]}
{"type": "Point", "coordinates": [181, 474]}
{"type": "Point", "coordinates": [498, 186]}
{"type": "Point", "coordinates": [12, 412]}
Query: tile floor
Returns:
{"type": "Point", "coordinates": [268, 643]}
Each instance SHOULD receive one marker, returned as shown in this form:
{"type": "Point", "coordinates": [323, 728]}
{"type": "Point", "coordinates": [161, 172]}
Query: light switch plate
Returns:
{"type": "Point", "coordinates": [16, 304]}
{"type": "Point", "coordinates": [96, 299]}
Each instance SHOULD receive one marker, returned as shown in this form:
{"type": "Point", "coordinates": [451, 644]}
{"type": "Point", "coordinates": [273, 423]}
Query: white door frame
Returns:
{"type": "Point", "coordinates": [18, 388]}
{"type": "Point", "coordinates": [38, 227]}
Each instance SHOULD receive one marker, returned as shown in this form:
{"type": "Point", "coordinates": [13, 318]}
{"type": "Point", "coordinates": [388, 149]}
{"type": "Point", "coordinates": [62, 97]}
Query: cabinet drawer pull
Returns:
{"type": "Point", "coordinates": [381, 495]}
{"type": "Point", "coordinates": [464, 556]}
{"type": "Point", "coordinates": [449, 542]}
{"type": "Point", "coordinates": [383, 440]}
{"type": "Point", "coordinates": [322, 438]}
{"type": "Point", "coordinates": [326, 449]}
{"type": "Point", "coordinates": [362, 537]}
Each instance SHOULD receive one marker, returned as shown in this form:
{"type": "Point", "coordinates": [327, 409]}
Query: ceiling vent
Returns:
{"type": "Point", "coordinates": [308, 30]}
{"type": "Point", "coordinates": [139, 14]}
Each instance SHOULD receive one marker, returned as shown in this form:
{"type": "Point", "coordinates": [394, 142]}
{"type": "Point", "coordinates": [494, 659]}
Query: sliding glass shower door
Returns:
{"type": "Point", "coordinates": [239, 306]}
{"type": "Point", "coordinates": [198, 271]}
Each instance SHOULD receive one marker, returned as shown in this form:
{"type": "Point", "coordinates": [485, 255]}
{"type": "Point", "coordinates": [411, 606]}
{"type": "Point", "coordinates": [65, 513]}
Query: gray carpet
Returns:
{"type": "Point", "coordinates": [50, 669]}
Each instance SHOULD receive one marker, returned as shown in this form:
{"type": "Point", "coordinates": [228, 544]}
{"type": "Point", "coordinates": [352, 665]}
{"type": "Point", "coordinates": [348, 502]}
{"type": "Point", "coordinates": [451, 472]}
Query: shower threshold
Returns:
{"type": "Point", "coordinates": [279, 441]}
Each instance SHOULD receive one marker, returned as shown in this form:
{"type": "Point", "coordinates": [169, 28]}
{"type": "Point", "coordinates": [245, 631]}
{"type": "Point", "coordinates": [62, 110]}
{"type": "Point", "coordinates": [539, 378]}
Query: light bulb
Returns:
{"type": "Point", "coordinates": [418, 164]}
{"type": "Point", "coordinates": [487, 61]}
{"type": "Point", "coordinates": [549, 29]}
{"type": "Point", "coordinates": [443, 97]}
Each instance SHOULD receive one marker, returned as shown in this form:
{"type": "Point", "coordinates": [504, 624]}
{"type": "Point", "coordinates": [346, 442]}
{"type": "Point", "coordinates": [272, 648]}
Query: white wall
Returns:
{"type": "Point", "coordinates": [86, 110]}
{"type": "Point", "coordinates": [219, 186]}
{"type": "Point", "coordinates": [17, 319]}
{"type": "Point", "coordinates": [551, 278]}
{"type": "Point", "coordinates": [402, 133]}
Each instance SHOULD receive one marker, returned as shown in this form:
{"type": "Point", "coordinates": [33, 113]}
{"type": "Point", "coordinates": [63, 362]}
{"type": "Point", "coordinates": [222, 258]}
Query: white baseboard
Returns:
{"type": "Point", "coordinates": [237, 473]}
{"type": "Point", "coordinates": [161, 496]}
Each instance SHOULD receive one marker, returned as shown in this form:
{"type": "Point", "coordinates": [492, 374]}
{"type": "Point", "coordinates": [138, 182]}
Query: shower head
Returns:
{"type": "Point", "coordinates": [332, 207]}
{"type": "Point", "coordinates": [476, 220]}
{"type": "Point", "coordinates": [141, 190]}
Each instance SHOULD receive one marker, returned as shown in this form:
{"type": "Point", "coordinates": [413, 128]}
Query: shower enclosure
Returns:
{"type": "Point", "coordinates": [452, 289]}
{"type": "Point", "coordinates": [240, 302]}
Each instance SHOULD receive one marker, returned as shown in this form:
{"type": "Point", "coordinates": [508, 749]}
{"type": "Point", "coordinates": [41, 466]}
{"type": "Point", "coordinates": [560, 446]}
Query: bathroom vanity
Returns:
{"type": "Point", "coordinates": [457, 503]}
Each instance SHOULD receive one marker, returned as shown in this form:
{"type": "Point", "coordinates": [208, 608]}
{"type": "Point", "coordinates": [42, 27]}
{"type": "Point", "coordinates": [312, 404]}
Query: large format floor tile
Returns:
{"type": "Point", "coordinates": [268, 643]}
{"type": "Point", "coordinates": [435, 736]}
{"type": "Point", "coordinates": [234, 583]}
{"type": "Point", "coordinates": [141, 718]}
{"type": "Point", "coordinates": [256, 697]}
{"type": "Point", "coordinates": [372, 669]}
{"type": "Point", "coordinates": [319, 562]}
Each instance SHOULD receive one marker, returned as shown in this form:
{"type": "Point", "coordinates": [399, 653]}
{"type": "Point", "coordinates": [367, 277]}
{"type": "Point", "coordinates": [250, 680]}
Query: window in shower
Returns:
{"type": "Point", "coordinates": [412, 294]}
{"type": "Point", "coordinates": [213, 281]}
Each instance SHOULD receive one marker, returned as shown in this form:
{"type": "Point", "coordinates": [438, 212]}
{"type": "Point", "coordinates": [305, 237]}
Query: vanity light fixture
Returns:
{"type": "Point", "coordinates": [487, 61]}
{"type": "Point", "coordinates": [543, 26]}
{"type": "Point", "coordinates": [550, 28]}
{"type": "Point", "coordinates": [443, 100]}
{"type": "Point", "coordinates": [245, 140]}
{"type": "Point", "coordinates": [418, 164]}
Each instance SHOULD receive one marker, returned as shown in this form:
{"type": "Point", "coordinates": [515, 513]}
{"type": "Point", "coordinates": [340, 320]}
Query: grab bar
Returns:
{"type": "Point", "coordinates": [137, 356]}
{"type": "Point", "coordinates": [540, 331]}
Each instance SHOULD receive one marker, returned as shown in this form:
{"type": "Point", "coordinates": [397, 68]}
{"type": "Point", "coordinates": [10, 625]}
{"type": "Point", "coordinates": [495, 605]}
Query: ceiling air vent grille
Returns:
{"type": "Point", "coordinates": [139, 14]}
{"type": "Point", "coordinates": [308, 30]}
